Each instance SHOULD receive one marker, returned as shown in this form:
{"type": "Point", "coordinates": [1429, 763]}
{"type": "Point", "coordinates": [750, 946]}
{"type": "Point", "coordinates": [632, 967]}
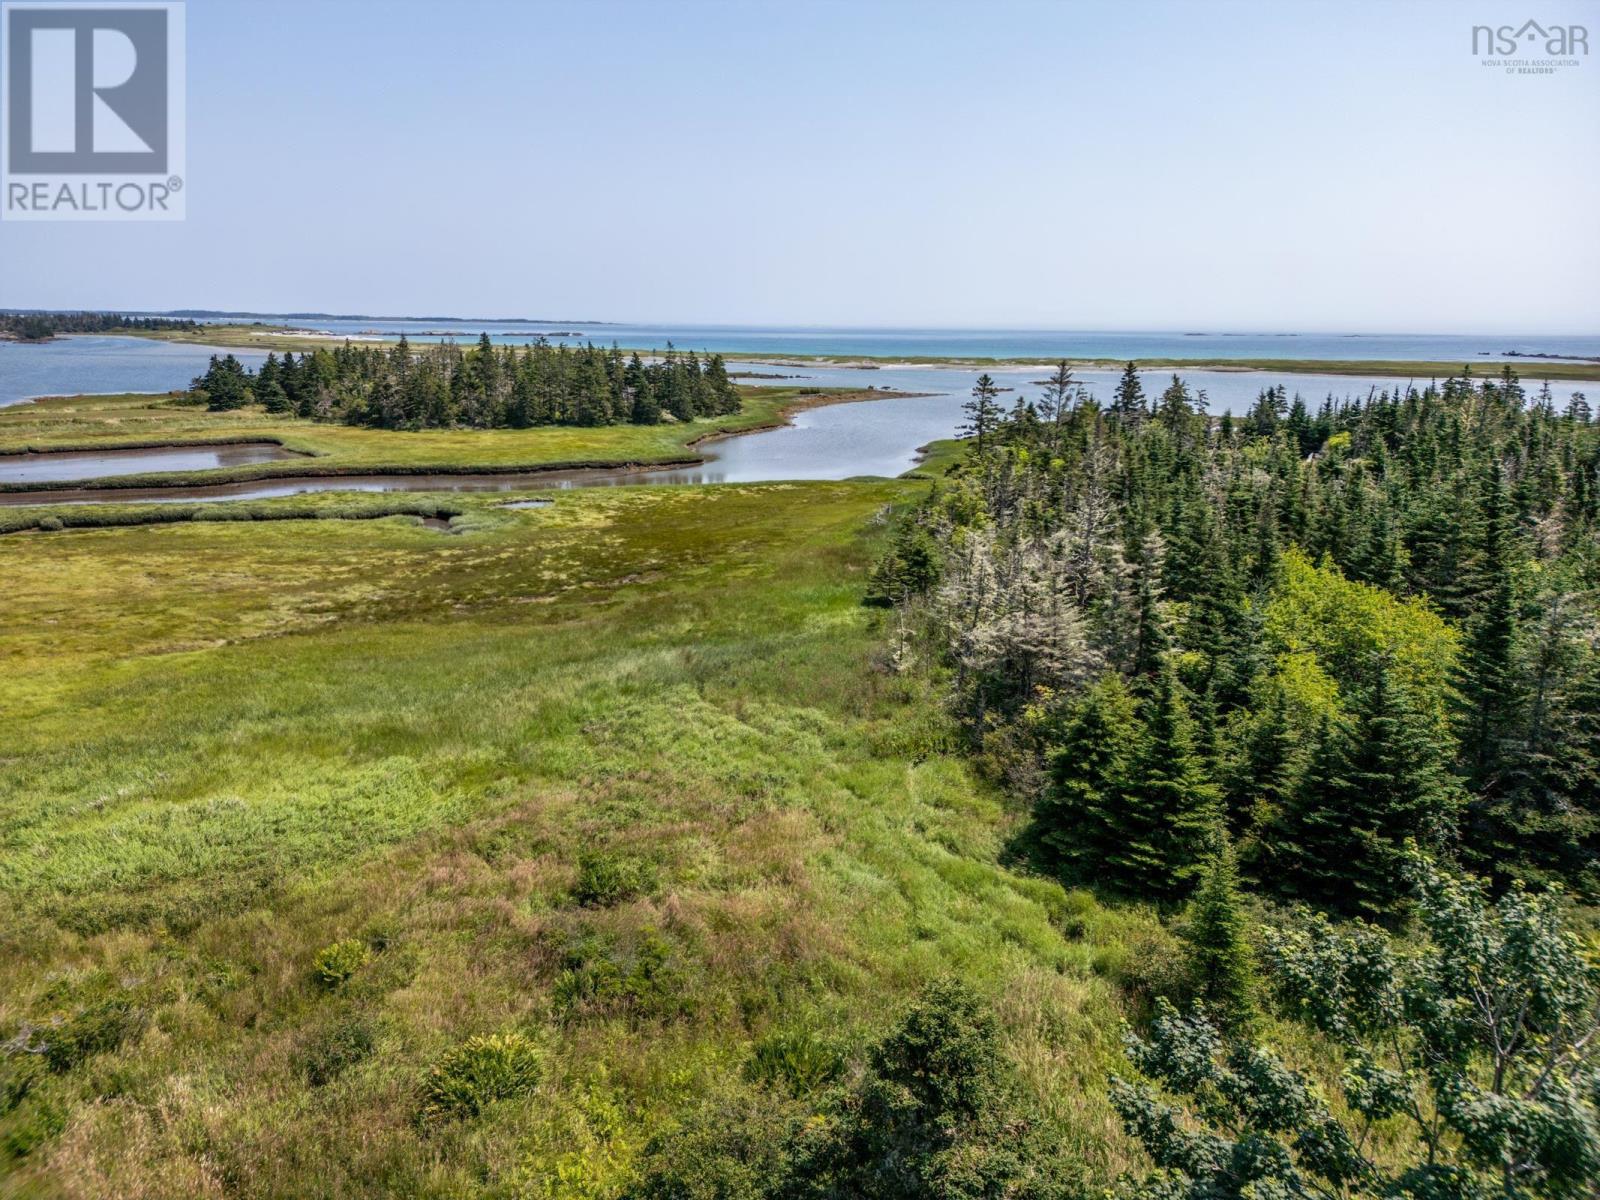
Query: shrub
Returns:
{"type": "Point", "coordinates": [51, 524]}
{"type": "Point", "coordinates": [478, 1073]}
{"type": "Point", "coordinates": [735, 1147]}
{"type": "Point", "coordinates": [1473, 1047]}
{"type": "Point", "coordinates": [20, 1073]}
{"type": "Point", "coordinates": [936, 1114]}
{"type": "Point", "coordinates": [337, 963]}
{"type": "Point", "coordinates": [31, 1126]}
{"type": "Point", "coordinates": [605, 879]}
{"type": "Point", "coordinates": [94, 1031]}
{"type": "Point", "coordinates": [331, 1051]}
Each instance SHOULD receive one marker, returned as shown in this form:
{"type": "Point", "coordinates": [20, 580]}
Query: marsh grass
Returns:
{"type": "Point", "coordinates": [89, 423]}
{"type": "Point", "coordinates": [231, 745]}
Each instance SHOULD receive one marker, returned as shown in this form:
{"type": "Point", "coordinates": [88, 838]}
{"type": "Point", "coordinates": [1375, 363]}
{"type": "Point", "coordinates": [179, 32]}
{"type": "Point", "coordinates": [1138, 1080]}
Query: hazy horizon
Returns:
{"type": "Point", "coordinates": [200, 312]}
{"type": "Point", "coordinates": [1237, 167]}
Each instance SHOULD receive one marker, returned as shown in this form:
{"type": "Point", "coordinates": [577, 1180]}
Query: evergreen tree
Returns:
{"type": "Point", "coordinates": [723, 396]}
{"type": "Point", "coordinates": [1443, 514]}
{"type": "Point", "coordinates": [982, 411]}
{"type": "Point", "coordinates": [1077, 821]}
{"type": "Point", "coordinates": [1488, 683]}
{"type": "Point", "coordinates": [1543, 822]}
{"type": "Point", "coordinates": [1220, 961]}
{"type": "Point", "coordinates": [1127, 403]}
{"type": "Point", "coordinates": [1365, 793]}
{"type": "Point", "coordinates": [1169, 815]}
{"type": "Point", "coordinates": [646, 410]}
{"type": "Point", "coordinates": [1150, 638]}
{"type": "Point", "coordinates": [268, 388]}
{"type": "Point", "coordinates": [909, 569]}
{"type": "Point", "coordinates": [1176, 409]}
{"type": "Point", "coordinates": [1060, 394]}
{"type": "Point", "coordinates": [931, 1116]}
{"type": "Point", "coordinates": [1263, 780]}
{"type": "Point", "coordinates": [592, 392]}
{"type": "Point", "coordinates": [485, 387]}
{"type": "Point", "coordinates": [224, 385]}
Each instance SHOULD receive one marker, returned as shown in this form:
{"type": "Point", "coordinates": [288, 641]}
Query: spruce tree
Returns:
{"type": "Point", "coordinates": [1544, 821]}
{"type": "Point", "coordinates": [1220, 961]}
{"type": "Point", "coordinates": [225, 384]}
{"type": "Point", "coordinates": [982, 412]}
{"type": "Point", "coordinates": [1366, 791]}
{"type": "Point", "coordinates": [1301, 855]}
{"type": "Point", "coordinates": [1170, 812]}
{"type": "Point", "coordinates": [1262, 780]}
{"type": "Point", "coordinates": [1150, 640]}
{"type": "Point", "coordinates": [1488, 684]}
{"type": "Point", "coordinates": [1127, 404]}
{"type": "Point", "coordinates": [268, 387]}
{"type": "Point", "coordinates": [1060, 394]}
{"type": "Point", "coordinates": [1077, 820]}
{"type": "Point", "coordinates": [1176, 409]}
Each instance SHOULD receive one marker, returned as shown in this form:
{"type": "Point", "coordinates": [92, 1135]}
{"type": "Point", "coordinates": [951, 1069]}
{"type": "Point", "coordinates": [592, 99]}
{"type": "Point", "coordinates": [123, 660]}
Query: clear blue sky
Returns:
{"type": "Point", "coordinates": [1202, 165]}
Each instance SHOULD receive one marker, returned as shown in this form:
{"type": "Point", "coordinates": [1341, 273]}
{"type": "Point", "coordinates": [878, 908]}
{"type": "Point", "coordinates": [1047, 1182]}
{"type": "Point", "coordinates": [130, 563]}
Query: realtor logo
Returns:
{"type": "Point", "coordinates": [93, 101]}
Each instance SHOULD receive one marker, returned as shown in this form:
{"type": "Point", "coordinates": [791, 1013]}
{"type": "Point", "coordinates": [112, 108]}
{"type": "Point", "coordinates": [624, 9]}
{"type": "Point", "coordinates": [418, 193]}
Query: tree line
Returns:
{"type": "Point", "coordinates": [486, 387]}
{"type": "Point", "coordinates": [1314, 634]}
{"type": "Point", "coordinates": [40, 327]}
{"type": "Point", "coordinates": [1294, 678]}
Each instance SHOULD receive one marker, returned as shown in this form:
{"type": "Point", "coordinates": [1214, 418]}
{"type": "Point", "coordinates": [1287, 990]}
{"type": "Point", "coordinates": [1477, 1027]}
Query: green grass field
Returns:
{"type": "Point", "coordinates": [233, 744]}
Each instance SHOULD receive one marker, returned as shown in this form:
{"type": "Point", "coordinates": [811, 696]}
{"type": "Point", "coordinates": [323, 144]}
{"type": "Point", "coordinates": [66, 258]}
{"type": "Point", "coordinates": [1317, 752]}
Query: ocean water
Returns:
{"type": "Point", "coordinates": [77, 366]}
{"type": "Point", "coordinates": [84, 365]}
{"type": "Point", "coordinates": [879, 436]}
{"type": "Point", "coordinates": [971, 343]}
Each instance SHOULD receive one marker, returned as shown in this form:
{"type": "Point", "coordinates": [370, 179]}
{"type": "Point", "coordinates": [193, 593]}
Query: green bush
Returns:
{"type": "Point", "coordinates": [332, 1050]}
{"type": "Point", "coordinates": [479, 1072]}
{"type": "Point", "coordinates": [337, 963]}
{"type": "Point", "coordinates": [1470, 1042]}
{"type": "Point", "coordinates": [93, 1031]}
{"type": "Point", "coordinates": [20, 1073]}
{"type": "Point", "coordinates": [31, 1126]}
{"type": "Point", "coordinates": [734, 1147]}
{"type": "Point", "coordinates": [935, 1113]}
{"type": "Point", "coordinates": [51, 524]}
{"type": "Point", "coordinates": [605, 879]}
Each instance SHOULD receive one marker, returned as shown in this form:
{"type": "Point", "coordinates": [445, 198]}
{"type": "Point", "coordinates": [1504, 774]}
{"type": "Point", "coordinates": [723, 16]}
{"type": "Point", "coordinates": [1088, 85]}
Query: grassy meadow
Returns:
{"type": "Point", "coordinates": [294, 807]}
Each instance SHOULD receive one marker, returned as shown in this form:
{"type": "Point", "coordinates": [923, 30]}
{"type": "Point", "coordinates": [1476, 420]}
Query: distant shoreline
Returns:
{"type": "Point", "coordinates": [1527, 366]}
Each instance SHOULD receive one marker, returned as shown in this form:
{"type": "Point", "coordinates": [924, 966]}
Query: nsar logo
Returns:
{"type": "Point", "coordinates": [1530, 48]}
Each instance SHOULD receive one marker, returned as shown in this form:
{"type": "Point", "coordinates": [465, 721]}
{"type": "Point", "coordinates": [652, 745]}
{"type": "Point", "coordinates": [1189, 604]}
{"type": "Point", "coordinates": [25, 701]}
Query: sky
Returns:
{"type": "Point", "coordinates": [1208, 165]}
